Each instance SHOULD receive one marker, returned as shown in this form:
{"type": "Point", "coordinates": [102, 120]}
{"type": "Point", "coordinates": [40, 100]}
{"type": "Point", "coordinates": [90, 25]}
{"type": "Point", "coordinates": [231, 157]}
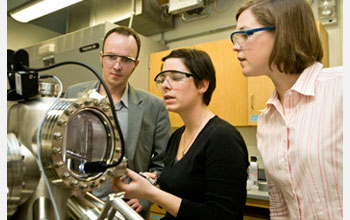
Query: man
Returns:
{"type": "Point", "coordinates": [142, 116]}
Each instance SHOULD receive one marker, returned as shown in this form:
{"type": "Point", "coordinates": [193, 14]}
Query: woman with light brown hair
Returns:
{"type": "Point", "coordinates": [300, 133]}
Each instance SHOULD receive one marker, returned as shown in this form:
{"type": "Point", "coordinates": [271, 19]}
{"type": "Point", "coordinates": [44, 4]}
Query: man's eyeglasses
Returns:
{"type": "Point", "coordinates": [173, 77]}
{"type": "Point", "coordinates": [238, 38]}
{"type": "Point", "coordinates": [123, 60]}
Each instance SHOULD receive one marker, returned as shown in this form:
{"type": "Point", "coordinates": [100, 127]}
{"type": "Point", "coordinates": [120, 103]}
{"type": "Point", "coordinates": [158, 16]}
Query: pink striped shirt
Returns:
{"type": "Point", "coordinates": [302, 147]}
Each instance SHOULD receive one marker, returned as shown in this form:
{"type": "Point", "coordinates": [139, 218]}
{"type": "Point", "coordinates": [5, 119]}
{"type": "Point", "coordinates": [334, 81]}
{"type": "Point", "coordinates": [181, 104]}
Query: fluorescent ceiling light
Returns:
{"type": "Point", "coordinates": [40, 8]}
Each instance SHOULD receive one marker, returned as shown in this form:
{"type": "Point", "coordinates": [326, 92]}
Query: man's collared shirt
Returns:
{"type": "Point", "coordinates": [121, 108]}
{"type": "Point", "coordinates": [122, 112]}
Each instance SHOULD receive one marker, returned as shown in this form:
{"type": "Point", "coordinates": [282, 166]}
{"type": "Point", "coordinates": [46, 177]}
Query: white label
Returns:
{"type": "Point", "coordinates": [19, 84]}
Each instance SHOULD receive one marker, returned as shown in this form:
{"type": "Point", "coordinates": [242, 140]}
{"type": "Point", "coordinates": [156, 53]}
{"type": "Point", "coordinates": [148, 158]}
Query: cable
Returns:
{"type": "Point", "coordinates": [39, 147]}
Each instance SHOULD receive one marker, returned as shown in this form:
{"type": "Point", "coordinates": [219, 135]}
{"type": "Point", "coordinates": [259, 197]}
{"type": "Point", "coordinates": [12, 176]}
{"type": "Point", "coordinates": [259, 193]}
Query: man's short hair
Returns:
{"type": "Point", "coordinates": [126, 32]}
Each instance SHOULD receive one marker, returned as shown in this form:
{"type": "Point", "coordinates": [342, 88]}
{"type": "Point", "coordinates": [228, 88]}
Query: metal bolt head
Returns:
{"type": "Point", "coordinates": [61, 122]}
{"type": "Point", "coordinates": [103, 179]}
{"type": "Point", "coordinates": [83, 186]}
{"type": "Point", "coordinates": [66, 175]}
{"type": "Point", "coordinates": [87, 102]}
{"type": "Point", "coordinates": [77, 104]}
{"type": "Point", "coordinates": [74, 182]}
{"type": "Point", "coordinates": [56, 150]}
{"type": "Point", "coordinates": [93, 184]}
{"type": "Point", "coordinates": [59, 164]}
{"type": "Point", "coordinates": [57, 135]}
{"type": "Point", "coordinates": [68, 111]}
{"type": "Point", "coordinates": [105, 108]}
{"type": "Point", "coordinates": [110, 172]}
{"type": "Point", "coordinates": [97, 103]}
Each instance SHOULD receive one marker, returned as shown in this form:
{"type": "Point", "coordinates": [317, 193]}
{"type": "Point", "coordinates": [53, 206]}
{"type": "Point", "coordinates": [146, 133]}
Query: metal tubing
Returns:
{"type": "Point", "coordinates": [42, 209]}
{"type": "Point", "coordinates": [83, 208]}
{"type": "Point", "coordinates": [119, 204]}
{"type": "Point", "coordinates": [116, 203]}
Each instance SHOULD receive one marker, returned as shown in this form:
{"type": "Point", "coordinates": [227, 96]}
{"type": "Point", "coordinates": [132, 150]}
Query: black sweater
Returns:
{"type": "Point", "coordinates": [211, 177]}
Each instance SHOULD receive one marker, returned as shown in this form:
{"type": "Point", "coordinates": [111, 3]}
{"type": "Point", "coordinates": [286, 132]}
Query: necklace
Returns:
{"type": "Point", "coordinates": [188, 144]}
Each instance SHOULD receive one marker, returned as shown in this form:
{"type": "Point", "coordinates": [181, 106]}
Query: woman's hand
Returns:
{"type": "Point", "coordinates": [152, 175]}
{"type": "Point", "coordinates": [138, 187]}
{"type": "Point", "coordinates": [135, 204]}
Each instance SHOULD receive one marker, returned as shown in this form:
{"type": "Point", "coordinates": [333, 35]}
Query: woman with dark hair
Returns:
{"type": "Point", "coordinates": [206, 165]}
{"type": "Point", "coordinates": [300, 133]}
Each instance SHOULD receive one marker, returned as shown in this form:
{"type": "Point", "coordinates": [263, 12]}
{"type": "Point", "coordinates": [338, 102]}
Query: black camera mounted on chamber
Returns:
{"type": "Point", "coordinates": [23, 84]}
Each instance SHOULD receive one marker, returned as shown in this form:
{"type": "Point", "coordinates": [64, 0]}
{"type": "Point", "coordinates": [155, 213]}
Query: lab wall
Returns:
{"type": "Point", "coordinates": [21, 35]}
